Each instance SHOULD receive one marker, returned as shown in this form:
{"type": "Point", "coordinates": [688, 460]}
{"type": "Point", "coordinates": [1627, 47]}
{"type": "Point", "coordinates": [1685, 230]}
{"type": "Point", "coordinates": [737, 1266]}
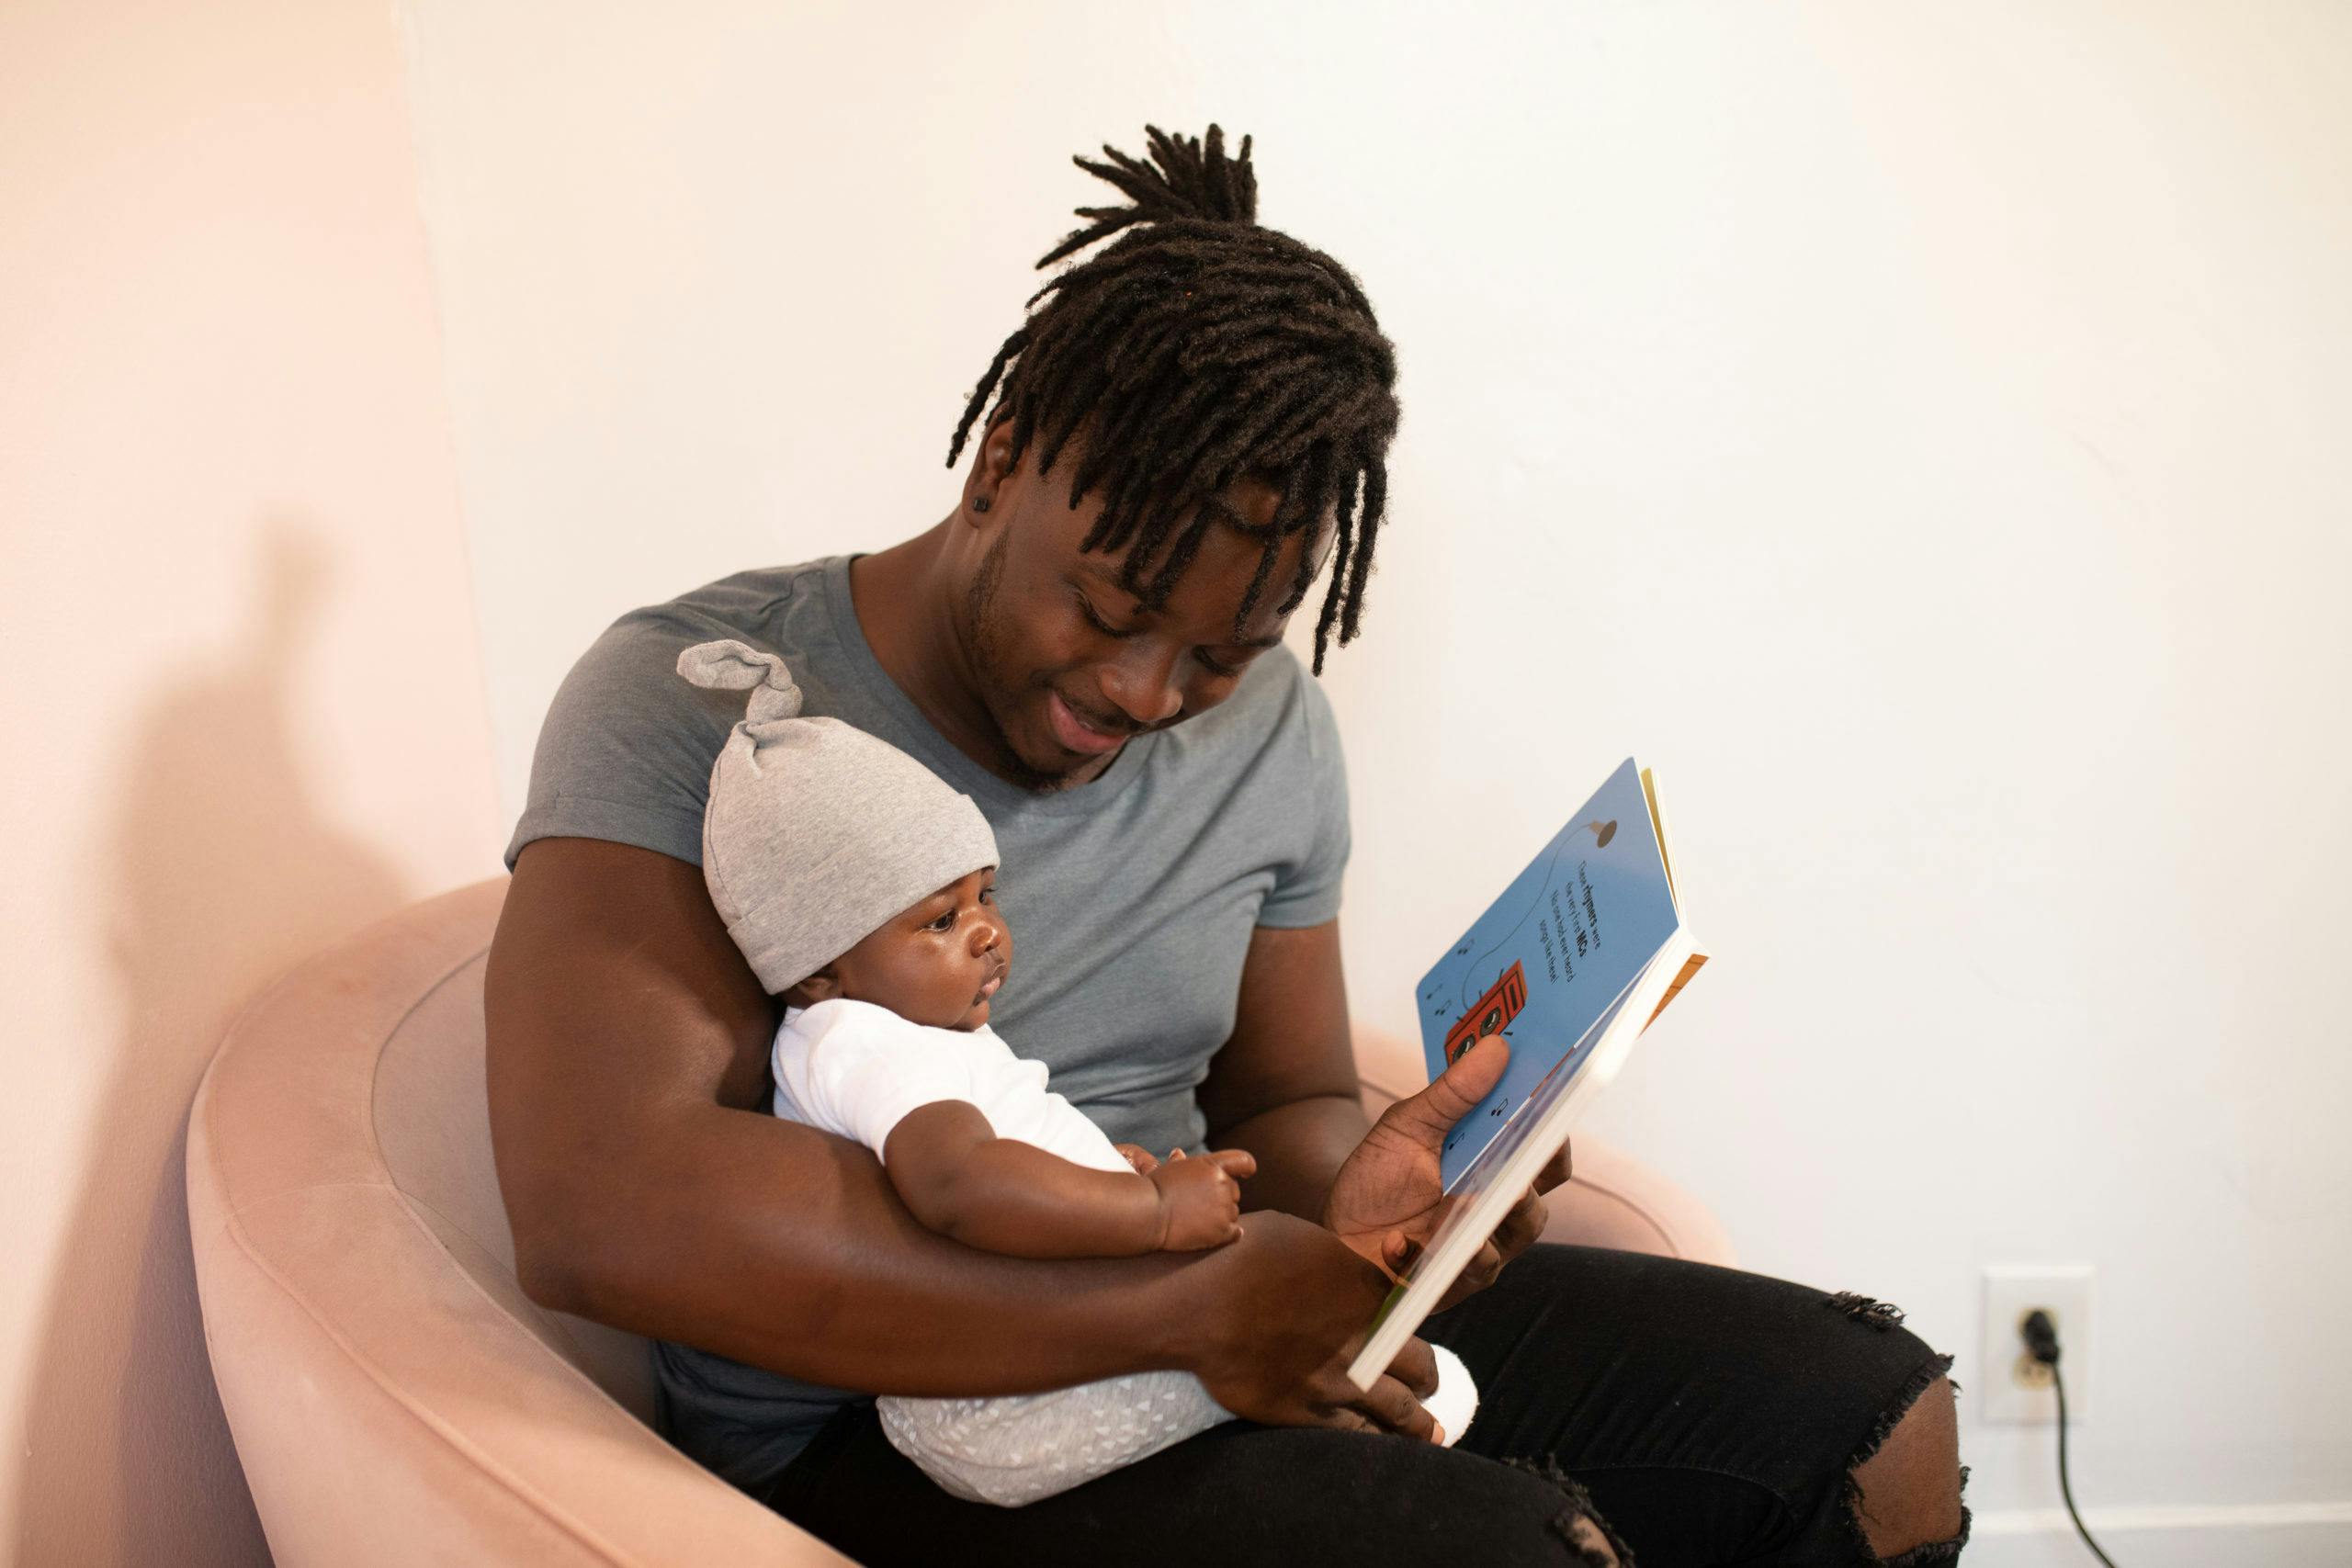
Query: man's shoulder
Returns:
{"type": "Point", "coordinates": [626, 749]}
{"type": "Point", "coordinates": [751, 605]}
{"type": "Point", "coordinates": [630, 673]}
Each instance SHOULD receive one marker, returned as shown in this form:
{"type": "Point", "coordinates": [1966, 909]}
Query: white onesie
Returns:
{"type": "Point", "coordinates": [856, 1069]}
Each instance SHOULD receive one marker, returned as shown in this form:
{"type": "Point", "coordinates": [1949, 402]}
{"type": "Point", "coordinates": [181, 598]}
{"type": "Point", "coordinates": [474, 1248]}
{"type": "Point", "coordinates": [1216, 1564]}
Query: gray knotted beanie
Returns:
{"type": "Point", "coordinates": [817, 832]}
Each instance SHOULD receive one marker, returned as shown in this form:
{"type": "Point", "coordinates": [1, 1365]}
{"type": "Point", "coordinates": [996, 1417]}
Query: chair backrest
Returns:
{"type": "Point", "coordinates": [432, 1121]}
{"type": "Point", "coordinates": [394, 1395]}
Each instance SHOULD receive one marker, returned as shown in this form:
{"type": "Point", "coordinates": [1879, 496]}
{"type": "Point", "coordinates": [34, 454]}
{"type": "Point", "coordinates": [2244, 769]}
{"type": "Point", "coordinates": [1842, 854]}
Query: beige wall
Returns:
{"type": "Point", "coordinates": [243, 710]}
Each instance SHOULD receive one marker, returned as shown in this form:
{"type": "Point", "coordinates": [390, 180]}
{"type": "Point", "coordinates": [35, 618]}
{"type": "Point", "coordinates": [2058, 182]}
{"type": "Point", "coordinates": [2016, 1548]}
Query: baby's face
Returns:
{"type": "Point", "coordinates": [936, 962]}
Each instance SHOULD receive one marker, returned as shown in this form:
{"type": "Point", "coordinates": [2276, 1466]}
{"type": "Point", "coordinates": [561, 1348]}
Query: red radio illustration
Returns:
{"type": "Point", "coordinates": [1489, 1014]}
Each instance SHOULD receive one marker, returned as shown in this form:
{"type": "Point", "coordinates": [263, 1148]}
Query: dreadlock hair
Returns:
{"type": "Point", "coordinates": [1197, 350]}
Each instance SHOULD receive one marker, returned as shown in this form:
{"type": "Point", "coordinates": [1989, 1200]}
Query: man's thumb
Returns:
{"type": "Point", "coordinates": [1431, 1113]}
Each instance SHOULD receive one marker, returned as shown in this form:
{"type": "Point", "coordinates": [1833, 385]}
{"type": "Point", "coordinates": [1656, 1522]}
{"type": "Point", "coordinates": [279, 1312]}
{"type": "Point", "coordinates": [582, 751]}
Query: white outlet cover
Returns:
{"type": "Point", "coordinates": [2011, 1290]}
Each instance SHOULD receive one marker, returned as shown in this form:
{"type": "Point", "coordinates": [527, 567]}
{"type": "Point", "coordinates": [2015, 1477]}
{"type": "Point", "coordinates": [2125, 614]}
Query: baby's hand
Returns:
{"type": "Point", "coordinates": [1200, 1200]}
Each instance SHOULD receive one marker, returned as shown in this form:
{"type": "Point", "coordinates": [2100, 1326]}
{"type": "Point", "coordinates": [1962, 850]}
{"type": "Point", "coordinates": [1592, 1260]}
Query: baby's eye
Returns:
{"type": "Point", "coordinates": [944, 922]}
{"type": "Point", "coordinates": [988, 895]}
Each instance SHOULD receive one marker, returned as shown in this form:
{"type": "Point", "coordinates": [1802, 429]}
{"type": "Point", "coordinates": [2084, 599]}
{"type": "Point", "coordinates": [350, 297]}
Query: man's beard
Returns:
{"type": "Point", "coordinates": [983, 626]}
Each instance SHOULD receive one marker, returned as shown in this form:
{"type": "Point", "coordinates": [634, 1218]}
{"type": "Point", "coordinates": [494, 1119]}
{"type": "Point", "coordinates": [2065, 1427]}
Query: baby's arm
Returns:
{"type": "Point", "coordinates": [1005, 1196]}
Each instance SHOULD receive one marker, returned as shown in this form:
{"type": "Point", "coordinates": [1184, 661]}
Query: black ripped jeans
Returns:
{"type": "Point", "coordinates": [1702, 1414]}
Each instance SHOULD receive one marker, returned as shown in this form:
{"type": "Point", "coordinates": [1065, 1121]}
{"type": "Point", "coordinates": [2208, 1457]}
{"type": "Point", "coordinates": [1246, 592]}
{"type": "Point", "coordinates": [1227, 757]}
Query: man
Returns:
{"type": "Point", "coordinates": [1190, 427]}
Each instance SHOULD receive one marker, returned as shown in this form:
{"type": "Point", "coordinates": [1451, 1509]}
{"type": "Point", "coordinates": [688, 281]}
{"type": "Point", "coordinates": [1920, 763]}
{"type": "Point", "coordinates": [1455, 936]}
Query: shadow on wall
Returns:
{"type": "Point", "coordinates": [223, 874]}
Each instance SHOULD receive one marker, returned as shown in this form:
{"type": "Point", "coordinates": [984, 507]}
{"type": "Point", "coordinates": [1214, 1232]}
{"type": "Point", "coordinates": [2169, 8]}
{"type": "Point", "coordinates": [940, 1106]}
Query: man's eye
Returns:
{"type": "Point", "coordinates": [1094, 617]}
{"type": "Point", "coordinates": [1216, 667]}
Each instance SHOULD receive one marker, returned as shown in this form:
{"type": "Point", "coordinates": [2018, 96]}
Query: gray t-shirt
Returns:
{"type": "Point", "coordinates": [1131, 898]}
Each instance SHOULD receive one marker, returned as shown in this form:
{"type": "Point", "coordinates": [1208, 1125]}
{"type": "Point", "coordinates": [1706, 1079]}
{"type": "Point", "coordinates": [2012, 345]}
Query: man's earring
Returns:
{"type": "Point", "coordinates": [980, 503]}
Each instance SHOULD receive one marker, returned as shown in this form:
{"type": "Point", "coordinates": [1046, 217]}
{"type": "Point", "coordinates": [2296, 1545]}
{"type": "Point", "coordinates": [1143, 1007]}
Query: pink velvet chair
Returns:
{"type": "Point", "coordinates": [395, 1398]}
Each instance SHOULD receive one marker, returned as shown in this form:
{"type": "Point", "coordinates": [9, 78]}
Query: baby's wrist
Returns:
{"type": "Point", "coordinates": [1161, 1217]}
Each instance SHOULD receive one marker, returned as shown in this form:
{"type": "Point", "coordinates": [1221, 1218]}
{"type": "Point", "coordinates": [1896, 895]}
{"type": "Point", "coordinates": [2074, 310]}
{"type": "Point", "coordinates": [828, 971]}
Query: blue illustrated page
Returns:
{"type": "Point", "coordinates": [1549, 959]}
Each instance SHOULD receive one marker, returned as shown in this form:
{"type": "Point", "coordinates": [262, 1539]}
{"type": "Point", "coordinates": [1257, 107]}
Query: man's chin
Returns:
{"type": "Point", "coordinates": [1031, 746]}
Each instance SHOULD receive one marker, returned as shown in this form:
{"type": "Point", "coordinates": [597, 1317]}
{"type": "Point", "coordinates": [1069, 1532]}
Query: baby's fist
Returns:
{"type": "Point", "coordinates": [1200, 1199]}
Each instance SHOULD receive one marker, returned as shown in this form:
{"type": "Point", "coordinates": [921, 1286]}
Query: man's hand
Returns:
{"type": "Point", "coordinates": [1385, 1200]}
{"type": "Point", "coordinates": [1200, 1199]}
{"type": "Point", "coordinates": [1292, 1307]}
{"type": "Point", "coordinates": [1144, 1161]}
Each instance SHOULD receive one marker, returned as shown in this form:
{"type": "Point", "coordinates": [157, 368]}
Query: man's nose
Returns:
{"type": "Point", "coordinates": [1142, 683]}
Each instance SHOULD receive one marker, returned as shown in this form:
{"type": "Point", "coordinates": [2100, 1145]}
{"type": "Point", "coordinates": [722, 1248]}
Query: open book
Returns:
{"type": "Point", "coordinates": [1583, 949]}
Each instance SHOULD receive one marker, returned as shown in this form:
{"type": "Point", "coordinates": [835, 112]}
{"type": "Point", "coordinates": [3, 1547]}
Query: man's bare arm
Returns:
{"type": "Point", "coordinates": [1284, 1086]}
{"type": "Point", "coordinates": [628, 1055]}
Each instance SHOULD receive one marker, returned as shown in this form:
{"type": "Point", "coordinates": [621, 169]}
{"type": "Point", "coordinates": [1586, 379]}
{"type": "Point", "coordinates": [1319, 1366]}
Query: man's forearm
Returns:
{"type": "Point", "coordinates": [786, 1249]}
{"type": "Point", "coordinates": [1300, 1147]}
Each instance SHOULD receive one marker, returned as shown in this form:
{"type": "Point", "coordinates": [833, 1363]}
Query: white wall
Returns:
{"type": "Point", "coordinates": [1916, 430]}
{"type": "Point", "coordinates": [244, 712]}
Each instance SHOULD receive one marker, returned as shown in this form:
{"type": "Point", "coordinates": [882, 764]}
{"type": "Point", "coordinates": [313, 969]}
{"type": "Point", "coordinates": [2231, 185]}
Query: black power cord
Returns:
{"type": "Point", "coordinates": [2041, 1344]}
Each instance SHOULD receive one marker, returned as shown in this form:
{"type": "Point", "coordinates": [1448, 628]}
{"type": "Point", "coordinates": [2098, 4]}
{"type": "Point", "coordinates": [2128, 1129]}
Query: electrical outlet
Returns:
{"type": "Point", "coordinates": [2017, 1388]}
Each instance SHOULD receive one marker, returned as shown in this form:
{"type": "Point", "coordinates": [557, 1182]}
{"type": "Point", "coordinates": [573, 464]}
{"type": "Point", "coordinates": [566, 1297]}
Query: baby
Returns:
{"type": "Point", "coordinates": [860, 887]}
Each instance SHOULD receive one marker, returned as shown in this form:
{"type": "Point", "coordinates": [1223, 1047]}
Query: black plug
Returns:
{"type": "Point", "coordinates": [2041, 1336]}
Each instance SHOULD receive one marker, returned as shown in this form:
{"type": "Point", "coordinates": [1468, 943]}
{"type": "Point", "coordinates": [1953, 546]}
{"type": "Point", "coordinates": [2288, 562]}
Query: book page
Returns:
{"type": "Point", "coordinates": [1550, 957]}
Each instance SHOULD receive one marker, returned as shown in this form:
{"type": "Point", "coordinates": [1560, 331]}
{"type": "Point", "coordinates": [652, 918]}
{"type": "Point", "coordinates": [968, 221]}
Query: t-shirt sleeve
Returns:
{"type": "Point", "coordinates": [1306, 889]}
{"type": "Point", "coordinates": [867, 1069]}
{"type": "Point", "coordinates": [626, 752]}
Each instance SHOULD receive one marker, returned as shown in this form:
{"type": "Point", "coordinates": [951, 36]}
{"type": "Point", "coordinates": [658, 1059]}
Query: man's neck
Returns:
{"type": "Point", "coordinates": [907, 608]}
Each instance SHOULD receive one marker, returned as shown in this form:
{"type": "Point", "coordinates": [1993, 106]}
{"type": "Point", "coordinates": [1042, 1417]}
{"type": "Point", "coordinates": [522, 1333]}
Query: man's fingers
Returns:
{"type": "Point", "coordinates": [1555, 1172]}
{"type": "Point", "coordinates": [1522, 1226]}
{"type": "Point", "coordinates": [1392, 1408]}
{"type": "Point", "coordinates": [1484, 1266]}
{"type": "Point", "coordinates": [1416, 1367]}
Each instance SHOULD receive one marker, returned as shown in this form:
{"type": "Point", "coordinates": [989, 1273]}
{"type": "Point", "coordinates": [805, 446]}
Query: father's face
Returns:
{"type": "Point", "coordinates": [1069, 664]}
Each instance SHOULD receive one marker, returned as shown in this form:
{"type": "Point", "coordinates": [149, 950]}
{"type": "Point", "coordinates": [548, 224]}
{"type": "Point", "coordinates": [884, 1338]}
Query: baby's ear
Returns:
{"type": "Point", "coordinates": [822, 986]}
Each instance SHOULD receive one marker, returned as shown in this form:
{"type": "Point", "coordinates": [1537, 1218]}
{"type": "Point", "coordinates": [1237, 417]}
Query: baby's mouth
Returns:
{"type": "Point", "coordinates": [990, 986]}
